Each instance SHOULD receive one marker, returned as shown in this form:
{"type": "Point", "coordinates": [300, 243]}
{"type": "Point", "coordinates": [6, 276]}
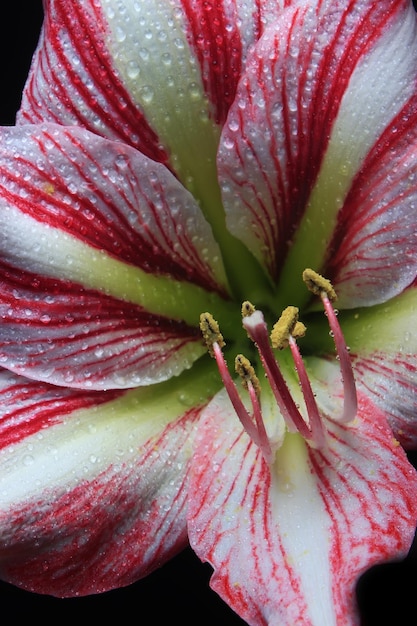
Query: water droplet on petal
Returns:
{"type": "Point", "coordinates": [133, 70]}
{"type": "Point", "coordinates": [120, 34]}
{"type": "Point", "coordinates": [147, 94]}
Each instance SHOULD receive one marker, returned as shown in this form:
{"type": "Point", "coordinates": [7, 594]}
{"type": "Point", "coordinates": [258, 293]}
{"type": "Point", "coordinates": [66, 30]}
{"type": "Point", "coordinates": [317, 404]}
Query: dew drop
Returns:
{"type": "Point", "coordinates": [228, 143]}
{"type": "Point", "coordinates": [147, 94]}
{"type": "Point", "coordinates": [144, 54]}
{"type": "Point", "coordinates": [166, 59]}
{"type": "Point", "coordinates": [120, 34]}
{"type": "Point", "coordinates": [121, 161]}
{"type": "Point", "coordinates": [133, 70]}
{"type": "Point", "coordinates": [194, 91]}
{"type": "Point", "coordinates": [179, 43]}
{"type": "Point", "coordinates": [185, 399]}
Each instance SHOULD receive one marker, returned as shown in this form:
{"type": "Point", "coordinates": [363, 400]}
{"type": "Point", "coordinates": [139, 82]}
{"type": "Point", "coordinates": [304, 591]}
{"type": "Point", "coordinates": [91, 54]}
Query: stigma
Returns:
{"type": "Point", "coordinates": [285, 333]}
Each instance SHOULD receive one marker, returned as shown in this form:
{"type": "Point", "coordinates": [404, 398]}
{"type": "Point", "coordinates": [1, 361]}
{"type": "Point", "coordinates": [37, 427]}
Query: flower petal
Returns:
{"type": "Point", "coordinates": [93, 485]}
{"type": "Point", "coordinates": [110, 197]}
{"type": "Point", "coordinates": [59, 332]}
{"type": "Point", "coordinates": [323, 83]}
{"type": "Point", "coordinates": [220, 34]}
{"type": "Point", "coordinates": [105, 257]}
{"type": "Point", "coordinates": [373, 255]}
{"type": "Point", "coordinates": [71, 80]}
{"type": "Point", "coordinates": [383, 349]}
{"type": "Point", "coordinates": [288, 545]}
{"type": "Point", "coordinates": [157, 75]}
{"type": "Point", "coordinates": [89, 52]}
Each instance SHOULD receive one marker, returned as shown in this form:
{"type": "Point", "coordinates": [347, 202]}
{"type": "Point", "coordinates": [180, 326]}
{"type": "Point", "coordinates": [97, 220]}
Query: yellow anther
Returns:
{"type": "Point", "coordinates": [247, 308]}
{"type": "Point", "coordinates": [284, 327]}
{"type": "Point", "coordinates": [246, 372]}
{"type": "Point", "coordinates": [211, 332]}
{"type": "Point", "coordinates": [299, 330]}
{"type": "Point", "coordinates": [317, 284]}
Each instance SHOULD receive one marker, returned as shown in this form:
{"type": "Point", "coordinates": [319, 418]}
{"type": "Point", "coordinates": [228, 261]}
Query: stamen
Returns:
{"type": "Point", "coordinates": [317, 284]}
{"type": "Point", "coordinates": [315, 422]}
{"type": "Point", "coordinates": [299, 330]}
{"type": "Point", "coordinates": [350, 399]}
{"type": "Point", "coordinates": [251, 382]}
{"type": "Point", "coordinates": [284, 328]}
{"type": "Point", "coordinates": [214, 342]}
{"type": "Point", "coordinates": [247, 308]}
{"type": "Point", "coordinates": [323, 288]}
{"type": "Point", "coordinates": [211, 332]}
{"type": "Point", "coordinates": [284, 333]}
{"type": "Point", "coordinates": [244, 368]}
{"type": "Point", "coordinates": [258, 332]}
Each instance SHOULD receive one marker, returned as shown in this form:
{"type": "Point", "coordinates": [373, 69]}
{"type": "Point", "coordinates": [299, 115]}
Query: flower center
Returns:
{"type": "Point", "coordinates": [284, 334]}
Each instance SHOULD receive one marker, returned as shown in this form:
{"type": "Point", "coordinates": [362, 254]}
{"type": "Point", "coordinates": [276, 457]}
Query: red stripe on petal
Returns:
{"type": "Point", "coordinates": [109, 196]}
{"type": "Point", "coordinates": [373, 254]}
{"type": "Point", "coordinates": [389, 379]}
{"type": "Point", "coordinates": [291, 90]}
{"type": "Point", "coordinates": [376, 477]}
{"type": "Point", "coordinates": [29, 407]}
{"type": "Point", "coordinates": [216, 39]}
{"type": "Point", "coordinates": [61, 333]}
{"type": "Point", "coordinates": [289, 542]}
{"type": "Point", "coordinates": [72, 80]}
{"type": "Point", "coordinates": [80, 537]}
{"type": "Point", "coordinates": [221, 33]}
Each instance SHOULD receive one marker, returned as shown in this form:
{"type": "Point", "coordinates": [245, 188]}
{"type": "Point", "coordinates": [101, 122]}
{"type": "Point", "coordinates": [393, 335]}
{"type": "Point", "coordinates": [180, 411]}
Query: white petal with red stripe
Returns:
{"type": "Point", "coordinates": [107, 261]}
{"type": "Point", "coordinates": [110, 197]}
{"type": "Point", "coordinates": [93, 484]}
{"type": "Point", "coordinates": [373, 254]}
{"type": "Point", "coordinates": [72, 80]}
{"type": "Point", "coordinates": [181, 62]}
{"type": "Point", "coordinates": [323, 83]}
{"type": "Point", "coordinates": [75, 76]}
{"type": "Point", "coordinates": [288, 544]}
{"type": "Point", "coordinates": [383, 348]}
{"type": "Point", "coordinates": [157, 75]}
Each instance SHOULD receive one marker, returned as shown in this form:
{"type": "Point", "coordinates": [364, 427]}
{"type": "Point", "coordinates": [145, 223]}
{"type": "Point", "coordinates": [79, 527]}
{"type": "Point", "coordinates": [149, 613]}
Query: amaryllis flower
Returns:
{"type": "Point", "coordinates": [178, 165]}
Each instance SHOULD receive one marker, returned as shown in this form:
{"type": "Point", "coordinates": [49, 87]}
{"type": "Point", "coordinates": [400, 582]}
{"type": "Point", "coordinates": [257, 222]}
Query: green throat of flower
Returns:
{"type": "Point", "coordinates": [284, 335]}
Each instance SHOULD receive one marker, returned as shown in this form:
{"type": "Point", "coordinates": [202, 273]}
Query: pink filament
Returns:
{"type": "Point", "coordinates": [263, 436]}
{"type": "Point", "coordinates": [254, 424]}
{"type": "Point", "coordinates": [259, 334]}
{"type": "Point", "coordinates": [257, 434]}
{"type": "Point", "coordinates": [350, 400]}
{"type": "Point", "coordinates": [316, 425]}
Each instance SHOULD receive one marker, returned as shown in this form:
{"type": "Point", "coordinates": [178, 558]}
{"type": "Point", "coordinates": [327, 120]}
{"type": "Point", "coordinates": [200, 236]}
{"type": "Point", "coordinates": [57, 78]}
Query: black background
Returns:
{"type": "Point", "coordinates": [178, 591]}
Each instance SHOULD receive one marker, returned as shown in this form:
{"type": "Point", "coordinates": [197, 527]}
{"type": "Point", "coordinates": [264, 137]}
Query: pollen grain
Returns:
{"type": "Point", "coordinates": [247, 308]}
{"type": "Point", "coordinates": [244, 368]}
{"type": "Point", "coordinates": [284, 328]}
{"type": "Point", "coordinates": [317, 284]}
{"type": "Point", "coordinates": [211, 332]}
